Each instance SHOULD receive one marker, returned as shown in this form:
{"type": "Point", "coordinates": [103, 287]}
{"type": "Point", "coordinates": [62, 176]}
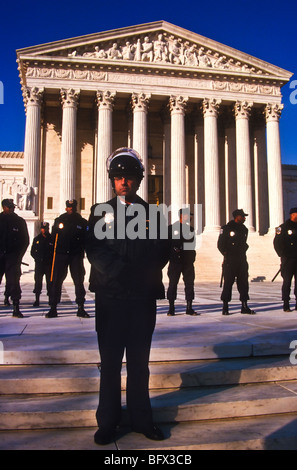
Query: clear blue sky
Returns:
{"type": "Point", "coordinates": [266, 29]}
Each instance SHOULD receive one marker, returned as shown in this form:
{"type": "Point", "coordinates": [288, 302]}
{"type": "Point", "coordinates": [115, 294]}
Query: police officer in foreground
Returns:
{"type": "Point", "coordinates": [285, 244]}
{"type": "Point", "coordinates": [14, 240]}
{"type": "Point", "coordinates": [68, 234]}
{"type": "Point", "coordinates": [232, 243]}
{"type": "Point", "coordinates": [182, 258]}
{"type": "Point", "coordinates": [42, 252]}
{"type": "Point", "coordinates": [126, 276]}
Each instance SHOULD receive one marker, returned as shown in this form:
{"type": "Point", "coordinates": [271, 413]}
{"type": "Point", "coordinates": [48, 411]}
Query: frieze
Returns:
{"type": "Point", "coordinates": [155, 79]}
{"type": "Point", "coordinates": [161, 48]}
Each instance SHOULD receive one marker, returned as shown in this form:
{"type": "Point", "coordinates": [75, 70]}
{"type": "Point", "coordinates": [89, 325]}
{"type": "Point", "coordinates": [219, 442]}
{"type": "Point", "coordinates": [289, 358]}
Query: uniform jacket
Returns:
{"type": "Point", "coordinates": [125, 267]}
{"type": "Point", "coordinates": [42, 249]}
{"type": "Point", "coordinates": [14, 237]}
{"type": "Point", "coordinates": [181, 235]}
{"type": "Point", "coordinates": [232, 241]}
{"type": "Point", "coordinates": [285, 240]}
{"type": "Point", "coordinates": [71, 237]}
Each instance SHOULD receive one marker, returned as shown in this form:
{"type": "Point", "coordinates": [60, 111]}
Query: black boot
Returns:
{"type": "Point", "coordinates": [36, 303]}
{"type": "Point", "coordinates": [225, 310]}
{"type": "Point", "coordinates": [16, 310]}
{"type": "Point", "coordinates": [81, 312]}
{"type": "Point", "coordinates": [286, 307]}
{"type": "Point", "coordinates": [246, 309]}
{"type": "Point", "coordinates": [52, 313]}
{"type": "Point", "coordinates": [190, 310]}
{"type": "Point", "coordinates": [171, 311]}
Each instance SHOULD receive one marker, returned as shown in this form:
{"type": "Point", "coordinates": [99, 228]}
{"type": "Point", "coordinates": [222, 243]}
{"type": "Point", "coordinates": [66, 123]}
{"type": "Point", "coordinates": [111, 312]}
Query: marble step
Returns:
{"type": "Point", "coordinates": [44, 379]}
{"type": "Point", "coordinates": [255, 433]}
{"type": "Point", "coordinates": [169, 406]}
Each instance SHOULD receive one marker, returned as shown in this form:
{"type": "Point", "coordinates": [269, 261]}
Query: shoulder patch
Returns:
{"type": "Point", "coordinates": [278, 230]}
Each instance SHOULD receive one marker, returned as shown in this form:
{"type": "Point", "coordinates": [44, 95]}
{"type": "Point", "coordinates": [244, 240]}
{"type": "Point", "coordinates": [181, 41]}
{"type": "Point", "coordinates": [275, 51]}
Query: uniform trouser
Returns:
{"type": "Point", "coordinates": [288, 271]}
{"type": "Point", "coordinates": [124, 326]}
{"type": "Point", "coordinates": [10, 265]}
{"type": "Point", "coordinates": [41, 270]}
{"type": "Point", "coordinates": [77, 271]}
{"type": "Point", "coordinates": [174, 272]}
{"type": "Point", "coordinates": [235, 268]}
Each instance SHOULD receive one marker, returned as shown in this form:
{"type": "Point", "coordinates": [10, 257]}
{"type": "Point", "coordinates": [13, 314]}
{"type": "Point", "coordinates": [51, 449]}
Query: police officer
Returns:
{"type": "Point", "coordinates": [232, 243]}
{"type": "Point", "coordinates": [126, 276]}
{"type": "Point", "coordinates": [285, 244]}
{"type": "Point", "coordinates": [182, 258]}
{"type": "Point", "coordinates": [68, 234]}
{"type": "Point", "coordinates": [42, 252]}
{"type": "Point", "coordinates": [14, 240]}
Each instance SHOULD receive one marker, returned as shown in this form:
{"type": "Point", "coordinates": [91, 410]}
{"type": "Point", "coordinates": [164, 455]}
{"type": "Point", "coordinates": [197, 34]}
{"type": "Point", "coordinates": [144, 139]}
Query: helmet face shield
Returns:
{"type": "Point", "coordinates": [125, 162]}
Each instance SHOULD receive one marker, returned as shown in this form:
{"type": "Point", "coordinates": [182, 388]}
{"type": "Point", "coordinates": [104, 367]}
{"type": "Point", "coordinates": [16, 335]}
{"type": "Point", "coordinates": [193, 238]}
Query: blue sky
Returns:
{"type": "Point", "coordinates": [264, 28]}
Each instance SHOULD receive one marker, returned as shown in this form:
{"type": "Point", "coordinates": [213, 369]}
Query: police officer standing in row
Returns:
{"type": "Point", "coordinates": [42, 252]}
{"type": "Point", "coordinates": [68, 234]}
{"type": "Point", "coordinates": [232, 243]}
{"type": "Point", "coordinates": [14, 240]}
{"type": "Point", "coordinates": [182, 258]}
{"type": "Point", "coordinates": [285, 244]}
{"type": "Point", "coordinates": [126, 276]}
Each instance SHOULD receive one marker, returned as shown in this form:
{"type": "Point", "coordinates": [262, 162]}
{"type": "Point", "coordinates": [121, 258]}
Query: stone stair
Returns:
{"type": "Point", "coordinates": [202, 404]}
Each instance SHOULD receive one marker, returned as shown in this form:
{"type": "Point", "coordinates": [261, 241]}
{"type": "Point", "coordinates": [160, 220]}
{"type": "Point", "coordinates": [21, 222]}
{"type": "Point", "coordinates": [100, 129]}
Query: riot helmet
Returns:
{"type": "Point", "coordinates": [125, 162]}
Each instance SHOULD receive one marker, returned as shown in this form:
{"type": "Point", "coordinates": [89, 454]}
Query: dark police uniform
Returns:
{"type": "Point", "coordinates": [14, 240]}
{"type": "Point", "coordinates": [42, 253]}
{"type": "Point", "coordinates": [285, 244]}
{"type": "Point", "coordinates": [232, 243]}
{"type": "Point", "coordinates": [126, 276]}
{"type": "Point", "coordinates": [181, 262]}
{"type": "Point", "coordinates": [68, 234]}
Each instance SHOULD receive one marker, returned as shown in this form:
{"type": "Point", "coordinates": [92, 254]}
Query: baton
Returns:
{"type": "Point", "coordinates": [276, 274]}
{"type": "Point", "coordinates": [222, 275]}
{"type": "Point", "coordinates": [54, 257]}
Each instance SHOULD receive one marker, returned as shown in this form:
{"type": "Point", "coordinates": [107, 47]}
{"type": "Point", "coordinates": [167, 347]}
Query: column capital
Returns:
{"type": "Point", "coordinates": [33, 96]}
{"type": "Point", "coordinates": [242, 109]}
{"type": "Point", "coordinates": [273, 112]}
{"type": "Point", "coordinates": [178, 104]}
{"type": "Point", "coordinates": [69, 97]}
{"type": "Point", "coordinates": [140, 101]}
{"type": "Point", "coordinates": [210, 107]}
{"type": "Point", "coordinates": [105, 99]}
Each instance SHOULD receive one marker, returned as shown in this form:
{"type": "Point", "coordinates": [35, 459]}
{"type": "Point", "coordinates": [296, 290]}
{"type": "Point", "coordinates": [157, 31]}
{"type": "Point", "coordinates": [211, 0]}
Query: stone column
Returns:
{"type": "Point", "coordinates": [275, 183]}
{"type": "Point", "coordinates": [177, 106]}
{"type": "Point", "coordinates": [211, 165]}
{"type": "Point", "coordinates": [33, 99]}
{"type": "Point", "coordinates": [68, 152]}
{"type": "Point", "coordinates": [140, 103]}
{"type": "Point", "coordinates": [105, 102]}
{"type": "Point", "coordinates": [166, 121]}
{"type": "Point", "coordinates": [260, 174]}
{"type": "Point", "coordinates": [243, 159]}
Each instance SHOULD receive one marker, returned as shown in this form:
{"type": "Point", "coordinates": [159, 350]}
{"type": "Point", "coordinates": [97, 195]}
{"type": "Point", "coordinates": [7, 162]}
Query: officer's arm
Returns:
{"type": "Point", "coordinates": [100, 254]}
{"type": "Point", "coordinates": [222, 242]}
{"type": "Point", "coordinates": [278, 241]}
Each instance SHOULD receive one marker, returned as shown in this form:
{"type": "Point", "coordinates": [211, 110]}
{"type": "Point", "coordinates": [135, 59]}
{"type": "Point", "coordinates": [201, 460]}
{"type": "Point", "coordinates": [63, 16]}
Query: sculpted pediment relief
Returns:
{"type": "Point", "coordinates": [166, 45]}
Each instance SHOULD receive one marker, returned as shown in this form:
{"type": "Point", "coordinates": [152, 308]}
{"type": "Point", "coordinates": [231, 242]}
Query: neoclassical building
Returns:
{"type": "Point", "coordinates": [203, 116]}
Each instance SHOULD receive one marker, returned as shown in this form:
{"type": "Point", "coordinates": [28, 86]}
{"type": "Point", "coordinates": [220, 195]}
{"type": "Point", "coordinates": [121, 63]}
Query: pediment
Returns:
{"type": "Point", "coordinates": [154, 45]}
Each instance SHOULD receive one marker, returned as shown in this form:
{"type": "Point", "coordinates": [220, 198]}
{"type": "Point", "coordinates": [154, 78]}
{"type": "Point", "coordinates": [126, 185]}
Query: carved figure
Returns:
{"type": "Point", "coordinates": [147, 54]}
{"type": "Point", "coordinates": [114, 52]}
{"type": "Point", "coordinates": [160, 50]}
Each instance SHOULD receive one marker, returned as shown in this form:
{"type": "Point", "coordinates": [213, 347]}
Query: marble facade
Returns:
{"type": "Point", "coordinates": [203, 116]}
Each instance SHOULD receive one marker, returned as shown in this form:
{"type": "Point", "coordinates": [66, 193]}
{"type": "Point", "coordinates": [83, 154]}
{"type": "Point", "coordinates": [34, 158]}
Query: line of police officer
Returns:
{"type": "Point", "coordinates": [55, 252]}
